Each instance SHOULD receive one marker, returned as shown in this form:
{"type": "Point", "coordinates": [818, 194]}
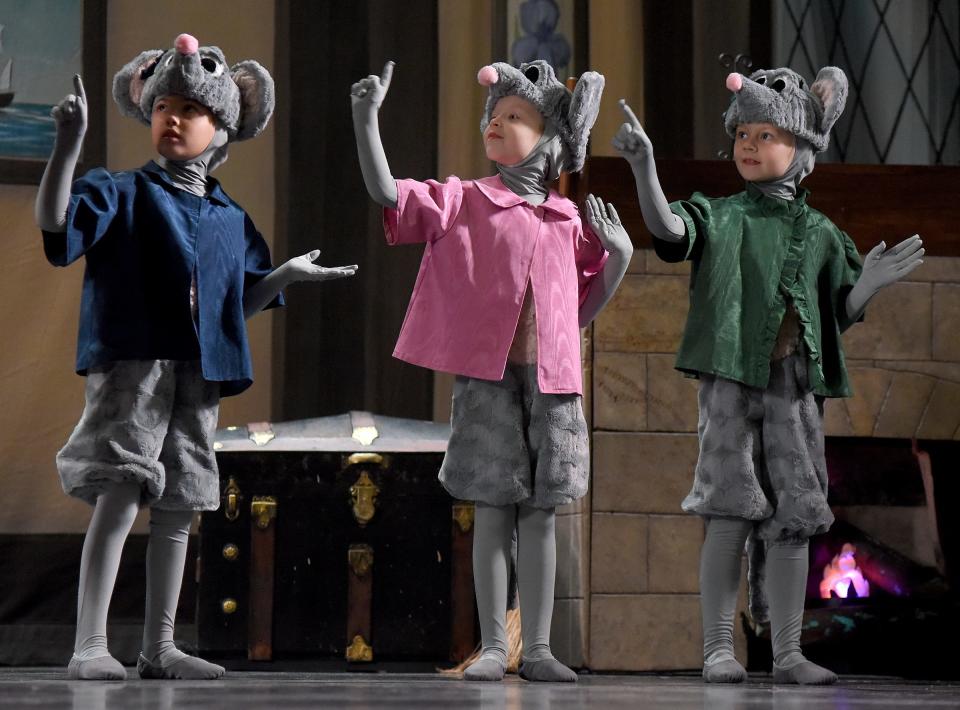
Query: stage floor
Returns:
{"type": "Point", "coordinates": [46, 688]}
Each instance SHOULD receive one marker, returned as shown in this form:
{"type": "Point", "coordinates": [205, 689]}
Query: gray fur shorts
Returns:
{"type": "Point", "coordinates": [512, 444]}
{"type": "Point", "coordinates": [148, 421]}
{"type": "Point", "coordinates": [762, 454]}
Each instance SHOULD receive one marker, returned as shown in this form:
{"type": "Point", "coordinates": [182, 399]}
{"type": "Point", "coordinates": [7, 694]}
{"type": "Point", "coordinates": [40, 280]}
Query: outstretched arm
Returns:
{"type": "Point", "coordinates": [633, 144]}
{"type": "Point", "coordinates": [365, 99]}
{"type": "Point", "coordinates": [882, 267]}
{"type": "Point", "coordinates": [605, 223]}
{"type": "Point", "coordinates": [53, 197]}
{"type": "Point", "coordinates": [300, 268]}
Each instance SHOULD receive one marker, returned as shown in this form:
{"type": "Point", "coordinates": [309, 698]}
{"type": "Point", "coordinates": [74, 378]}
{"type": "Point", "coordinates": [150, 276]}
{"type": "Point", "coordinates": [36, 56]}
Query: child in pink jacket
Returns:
{"type": "Point", "coordinates": [509, 276]}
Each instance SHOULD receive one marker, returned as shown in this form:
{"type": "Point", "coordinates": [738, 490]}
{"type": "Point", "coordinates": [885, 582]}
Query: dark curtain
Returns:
{"type": "Point", "coordinates": [334, 340]}
{"type": "Point", "coordinates": [684, 76]}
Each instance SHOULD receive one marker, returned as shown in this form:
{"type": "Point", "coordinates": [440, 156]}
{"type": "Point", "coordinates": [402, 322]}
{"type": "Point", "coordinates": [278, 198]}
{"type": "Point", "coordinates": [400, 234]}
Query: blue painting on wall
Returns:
{"type": "Point", "coordinates": [41, 43]}
{"type": "Point", "coordinates": [541, 29]}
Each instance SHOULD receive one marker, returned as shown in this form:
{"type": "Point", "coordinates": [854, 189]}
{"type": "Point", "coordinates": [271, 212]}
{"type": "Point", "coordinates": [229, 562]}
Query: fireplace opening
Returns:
{"type": "Point", "coordinates": [883, 594]}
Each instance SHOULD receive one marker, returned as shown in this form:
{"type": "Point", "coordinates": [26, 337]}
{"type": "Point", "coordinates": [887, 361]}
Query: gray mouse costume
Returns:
{"type": "Point", "coordinates": [544, 460]}
{"type": "Point", "coordinates": [761, 471]}
{"type": "Point", "coordinates": [516, 451]}
{"type": "Point", "coordinates": [160, 346]}
{"type": "Point", "coordinates": [773, 284]}
{"type": "Point", "coordinates": [241, 99]}
{"type": "Point", "coordinates": [518, 446]}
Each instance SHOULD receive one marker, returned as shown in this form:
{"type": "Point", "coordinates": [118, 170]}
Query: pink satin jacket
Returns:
{"type": "Point", "coordinates": [484, 243]}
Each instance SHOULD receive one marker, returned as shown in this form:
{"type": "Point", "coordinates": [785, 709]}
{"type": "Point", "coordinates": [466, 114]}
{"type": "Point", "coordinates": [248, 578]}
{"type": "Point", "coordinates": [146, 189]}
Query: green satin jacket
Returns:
{"type": "Point", "coordinates": [749, 254]}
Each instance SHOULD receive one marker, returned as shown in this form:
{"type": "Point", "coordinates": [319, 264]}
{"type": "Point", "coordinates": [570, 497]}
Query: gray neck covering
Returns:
{"type": "Point", "coordinates": [785, 186]}
{"type": "Point", "coordinates": [528, 178]}
{"type": "Point", "coordinates": [191, 175]}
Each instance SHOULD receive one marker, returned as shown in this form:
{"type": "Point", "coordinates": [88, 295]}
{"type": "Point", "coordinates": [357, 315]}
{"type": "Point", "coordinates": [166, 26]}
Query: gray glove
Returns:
{"type": "Point", "coordinates": [53, 197]}
{"type": "Point", "coordinates": [366, 96]}
{"type": "Point", "coordinates": [882, 267]}
{"type": "Point", "coordinates": [299, 268]}
{"type": "Point", "coordinates": [605, 223]}
{"type": "Point", "coordinates": [633, 144]}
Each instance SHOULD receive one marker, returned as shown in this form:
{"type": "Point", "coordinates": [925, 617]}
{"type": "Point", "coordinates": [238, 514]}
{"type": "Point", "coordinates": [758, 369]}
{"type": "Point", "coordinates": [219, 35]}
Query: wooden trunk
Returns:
{"type": "Point", "coordinates": [335, 540]}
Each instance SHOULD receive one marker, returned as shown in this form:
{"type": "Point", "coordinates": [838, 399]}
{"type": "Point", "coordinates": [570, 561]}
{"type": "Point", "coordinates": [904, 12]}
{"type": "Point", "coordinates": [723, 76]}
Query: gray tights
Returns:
{"type": "Point", "coordinates": [786, 584]}
{"type": "Point", "coordinates": [166, 558]}
{"type": "Point", "coordinates": [112, 519]}
{"type": "Point", "coordinates": [166, 555]}
{"type": "Point", "coordinates": [536, 573]}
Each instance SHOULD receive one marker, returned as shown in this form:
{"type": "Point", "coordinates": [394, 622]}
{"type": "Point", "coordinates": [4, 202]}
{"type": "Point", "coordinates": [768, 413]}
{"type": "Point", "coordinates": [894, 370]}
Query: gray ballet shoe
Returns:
{"type": "Point", "coordinates": [547, 670]}
{"type": "Point", "coordinates": [186, 668]}
{"type": "Point", "coordinates": [804, 673]}
{"type": "Point", "coordinates": [101, 668]}
{"type": "Point", "coordinates": [486, 668]}
{"type": "Point", "coordinates": [726, 671]}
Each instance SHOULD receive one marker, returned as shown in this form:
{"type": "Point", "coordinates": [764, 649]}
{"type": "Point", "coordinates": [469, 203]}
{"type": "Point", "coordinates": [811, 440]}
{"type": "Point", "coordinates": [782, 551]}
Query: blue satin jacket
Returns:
{"type": "Point", "coordinates": [144, 240]}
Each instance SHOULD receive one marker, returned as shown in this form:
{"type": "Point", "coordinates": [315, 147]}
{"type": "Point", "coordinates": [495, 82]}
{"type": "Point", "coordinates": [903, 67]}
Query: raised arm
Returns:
{"type": "Point", "coordinates": [633, 144]}
{"type": "Point", "coordinates": [365, 99]}
{"type": "Point", "coordinates": [300, 268]}
{"type": "Point", "coordinates": [605, 223]}
{"type": "Point", "coordinates": [882, 267]}
{"type": "Point", "coordinates": [53, 197]}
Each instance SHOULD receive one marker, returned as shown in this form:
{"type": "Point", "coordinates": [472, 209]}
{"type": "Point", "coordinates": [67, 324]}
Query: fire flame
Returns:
{"type": "Point", "coordinates": [841, 574]}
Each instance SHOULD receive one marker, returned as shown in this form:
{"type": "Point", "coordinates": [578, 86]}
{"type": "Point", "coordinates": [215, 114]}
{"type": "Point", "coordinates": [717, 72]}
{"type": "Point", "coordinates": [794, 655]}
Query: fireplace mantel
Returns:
{"type": "Point", "coordinates": [869, 202]}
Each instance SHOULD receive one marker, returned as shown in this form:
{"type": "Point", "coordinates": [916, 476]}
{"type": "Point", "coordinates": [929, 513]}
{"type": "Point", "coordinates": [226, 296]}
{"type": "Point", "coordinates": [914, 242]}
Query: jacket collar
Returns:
{"type": "Point", "coordinates": [215, 193]}
{"type": "Point", "coordinates": [499, 194]}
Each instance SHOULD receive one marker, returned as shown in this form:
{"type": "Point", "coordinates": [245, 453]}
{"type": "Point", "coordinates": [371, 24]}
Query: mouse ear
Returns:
{"type": "Point", "coordinates": [129, 81]}
{"type": "Point", "coordinates": [831, 88]}
{"type": "Point", "coordinates": [584, 107]}
{"type": "Point", "coordinates": [256, 97]}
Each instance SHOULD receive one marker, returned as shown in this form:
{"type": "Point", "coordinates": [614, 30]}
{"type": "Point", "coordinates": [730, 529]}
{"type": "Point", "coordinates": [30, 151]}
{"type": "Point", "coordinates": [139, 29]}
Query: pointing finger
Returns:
{"type": "Point", "coordinates": [387, 76]}
{"type": "Point", "coordinates": [631, 116]}
{"type": "Point", "coordinates": [78, 88]}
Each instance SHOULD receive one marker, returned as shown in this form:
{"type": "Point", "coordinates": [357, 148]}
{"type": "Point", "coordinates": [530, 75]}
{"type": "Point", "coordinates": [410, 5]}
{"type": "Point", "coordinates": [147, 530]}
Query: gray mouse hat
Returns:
{"type": "Point", "coordinates": [781, 97]}
{"type": "Point", "coordinates": [572, 113]}
{"type": "Point", "coordinates": [241, 97]}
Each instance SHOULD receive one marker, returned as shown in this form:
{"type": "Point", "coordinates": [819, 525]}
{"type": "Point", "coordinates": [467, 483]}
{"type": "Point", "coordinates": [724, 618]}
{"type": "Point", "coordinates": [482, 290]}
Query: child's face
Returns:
{"type": "Point", "coordinates": [762, 151]}
{"type": "Point", "coordinates": [514, 129]}
{"type": "Point", "coordinates": [181, 128]}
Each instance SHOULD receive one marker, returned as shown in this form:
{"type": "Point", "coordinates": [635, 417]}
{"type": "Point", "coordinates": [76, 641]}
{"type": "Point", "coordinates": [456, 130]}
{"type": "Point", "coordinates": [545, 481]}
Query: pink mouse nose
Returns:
{"type": "Point", "coordinates": [734, 81]}
{"type": "Point", "coordinates": [487, 76]}
{"type": "Point", "coordinates": [185, 44]}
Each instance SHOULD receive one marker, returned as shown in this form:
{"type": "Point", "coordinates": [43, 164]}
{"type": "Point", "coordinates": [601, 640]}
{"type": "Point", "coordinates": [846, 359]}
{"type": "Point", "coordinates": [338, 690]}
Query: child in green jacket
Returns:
{"type": "Point", "coordinates": [773, 284]}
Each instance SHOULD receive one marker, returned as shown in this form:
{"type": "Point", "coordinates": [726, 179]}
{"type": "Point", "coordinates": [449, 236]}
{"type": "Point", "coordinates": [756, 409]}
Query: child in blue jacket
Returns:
{"type": "Point", "coordinates": [173, 269]}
